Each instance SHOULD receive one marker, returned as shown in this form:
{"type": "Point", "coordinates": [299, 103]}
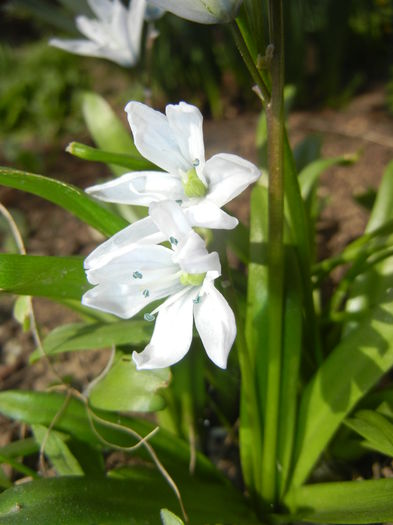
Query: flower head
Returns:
{"type": "Point", "coordinates": [174, 142]}
{"type": "Point", "coordinates": [132, 276]}
{"type": "Point", "coordinates": [203, 11]}
{"type": "Point", "coordinates": [115, 34]}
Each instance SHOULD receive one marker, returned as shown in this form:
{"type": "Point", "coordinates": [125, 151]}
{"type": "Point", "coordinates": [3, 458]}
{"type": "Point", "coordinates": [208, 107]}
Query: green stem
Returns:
{"type": "Point", "coordinates": [248, 60]}
{"type": "Point", "coordinates": [275, 124]}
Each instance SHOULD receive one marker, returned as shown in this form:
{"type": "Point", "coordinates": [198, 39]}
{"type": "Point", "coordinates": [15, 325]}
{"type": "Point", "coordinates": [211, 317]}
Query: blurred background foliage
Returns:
{"type": "Point", "coordinates": [334, 50]}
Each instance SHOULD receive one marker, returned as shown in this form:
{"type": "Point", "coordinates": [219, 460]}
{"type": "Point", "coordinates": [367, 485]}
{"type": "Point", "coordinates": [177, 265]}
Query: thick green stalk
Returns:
{"type": "Point", "coordinates": [275, 124]}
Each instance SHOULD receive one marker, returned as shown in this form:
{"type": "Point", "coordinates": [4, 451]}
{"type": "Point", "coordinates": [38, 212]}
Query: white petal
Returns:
{"type": "Point", "coordinates": [170, 220]}
{"type": "Point", "coordinates": [79, 47]}
{"type": "Point", "coordinates": [216, 325]}
{"type": "Point", "coordinates": [154, 138]}
{"type": "Point", "coordinates": [139, 188]}
{"type": "Point", "coordinates": [102, 9]}
{"type": "Point", "coordinates": [193, 257]}
{"type": "Point", "coordinates": [124, 300]}
{"type": "Point", "coordinates": [93, 30]}
{"type": "Point", "coordinates": [186, 122]}
{"type": "Point", "coordinates": [207, 214]}
{"type": "Point", "coordinates": [134, 21]}
{"type": "Point", "coordinates": [172, 335]}
{"type": "Point", "coordinates": [91, 49]}
{"type": "Point", "coordinates": [202, 11]}
{"type": "Point", "coordinates": [228, 175]}
{"type": "Point", "coordinates": [118, 28]}
{"type": "Point", "coordinates": [147, 261]}
{"type": "Point", "coordinates": [142, 232]}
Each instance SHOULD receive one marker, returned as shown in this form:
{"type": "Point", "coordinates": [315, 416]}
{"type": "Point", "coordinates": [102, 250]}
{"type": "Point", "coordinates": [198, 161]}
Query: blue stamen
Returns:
{"type": "Point", "coordinates": [146, 293]}
{"type": "Point", "coordinates": [173, 241]}
{"type": "Point", "coordinates": [149, 317]}
{"type": "Point", "coordinates": [137, 275]}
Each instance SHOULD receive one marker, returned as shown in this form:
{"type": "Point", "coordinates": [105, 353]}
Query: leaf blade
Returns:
{"type": "Point", "coordinates": [343, 502]}
{"type": "Point", "coordinates": [36, 275]}
{"type": "Point", "coordinates": [66, 196]}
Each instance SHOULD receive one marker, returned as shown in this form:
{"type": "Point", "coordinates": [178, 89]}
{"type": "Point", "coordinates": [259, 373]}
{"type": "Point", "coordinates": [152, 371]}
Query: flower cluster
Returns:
{"type": "Point", "coordinates": [134, 268]}
{"type": "Point", "coordinates": [115, 33]}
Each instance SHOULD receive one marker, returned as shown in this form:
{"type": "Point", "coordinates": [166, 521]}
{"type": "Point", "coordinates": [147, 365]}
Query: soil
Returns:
{"type": "Point", "coordinates": [364, 126]}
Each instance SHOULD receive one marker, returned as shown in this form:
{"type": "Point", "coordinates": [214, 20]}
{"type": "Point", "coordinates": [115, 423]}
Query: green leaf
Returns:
{"type": "Point", "coordinates": [107, 130]}
{"type": "Point", "coordinates": [5, 483]}
{"type": "Point", "coordinates": [54, 277]}
{"type": "Point", "coordinates": [383, 207]}
{"type": "Point", "coordinates": [375, 428]}
{"type": "Point", "coordinates": [309, 175]}
{"type": "Point", "coordinates": [57, 451]}
{"type": "Point", "coordinates": [168, 518]}
{"type": "Point", "coordinates": [369, 287]}
{"type": "Point", "coordinates": [22, 310]}
{"type": "Point", "coordinates": [93, 154]}
{"type": "Point", "coordinates": [124, 389]}
{"type": "Point", "coordinates": [346, 502]}
{"type": "Point", "coordinates": [291, 356]}
{"type": "Point", "coordinates": [66, 196]}
{"type": "Point", "coordinates": [254, 337]}
{"type": "Point", "coordinates": [89, 458]}
{"type": "Point", "coordinates": [89, 336]}
{"type": "Point", "coordinates": [79, 501]}
{"type": "Point", "coordinates": [298, 227]}
{"type": "Point", "coordinates": [109, 501]}
{"type": "Point", "coordinates": [19, 467]}
{"type": "Point", "coordinates": [42, 408]}
{"type": "Point", "coordinates": [22, 447]}
{"type": "Point", "coordinates": [352, 368]}
{"type": "Point", "coordinates": [238, 240]}
{"type": "Point", "coordinates": [307, 151]}
{"type": "Point", "coordinates": [215, 502]}
{"type": "Point", "coordinates": [11, 452]}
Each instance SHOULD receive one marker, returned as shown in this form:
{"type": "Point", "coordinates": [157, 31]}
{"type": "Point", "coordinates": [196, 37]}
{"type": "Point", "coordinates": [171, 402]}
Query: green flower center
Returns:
{"type": "Point", "coordinates": [192, 184]}
{"type": "Point", "coordinates": [192, 279]}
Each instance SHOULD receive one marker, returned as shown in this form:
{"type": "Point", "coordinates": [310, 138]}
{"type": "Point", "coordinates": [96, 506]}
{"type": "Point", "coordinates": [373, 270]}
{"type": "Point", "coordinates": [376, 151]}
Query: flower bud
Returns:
{"type": "Point", "coordinates": [202, 11]}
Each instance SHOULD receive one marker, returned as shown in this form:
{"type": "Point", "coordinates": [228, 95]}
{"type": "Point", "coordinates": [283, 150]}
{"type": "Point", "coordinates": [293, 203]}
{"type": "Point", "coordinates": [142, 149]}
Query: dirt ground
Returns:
{"type": "Point", "coordinates": [364, 126]}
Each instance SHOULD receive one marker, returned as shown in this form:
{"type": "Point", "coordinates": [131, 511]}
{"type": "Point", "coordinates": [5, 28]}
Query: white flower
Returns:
{"type": "Point", "coordinates": [115, 34]}
{"type": "Point", "coordinates": [203, 11]}
{"type": "Point", "coordinates": [130, 278]}
{"type": "Point", "coordinates": [174, 142]}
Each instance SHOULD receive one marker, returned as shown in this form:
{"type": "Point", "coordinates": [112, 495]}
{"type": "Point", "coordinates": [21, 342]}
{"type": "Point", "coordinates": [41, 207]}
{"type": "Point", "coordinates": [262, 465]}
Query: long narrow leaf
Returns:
{"type": "Point", "coordinates": [88, 336]}
{"type": "Point", "coordinates": [57, 451]}
{"type": "Point", "coordinates": [110, 501]}
{"type": "Point", "coordinates": [346, 502]}
{"type": "Point", "coordinates": [54, 277]}
{"type": "Point", "coordinates": [375, 428]}
{"type": "Point", "coordinates": [66, 196]}
{"type": "Point", "coordinates": [42, 408]}
{"type": "Point", "coordinates": [353, 367]}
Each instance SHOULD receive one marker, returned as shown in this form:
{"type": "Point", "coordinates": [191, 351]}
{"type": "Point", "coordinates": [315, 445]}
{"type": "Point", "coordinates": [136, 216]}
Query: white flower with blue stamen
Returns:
{"type": "Point", "coordinates": [129, 277]}
{"type": "Point", "coordinates": [115, 34]}
{"type": "Point", "coordinates": [174, 143]}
